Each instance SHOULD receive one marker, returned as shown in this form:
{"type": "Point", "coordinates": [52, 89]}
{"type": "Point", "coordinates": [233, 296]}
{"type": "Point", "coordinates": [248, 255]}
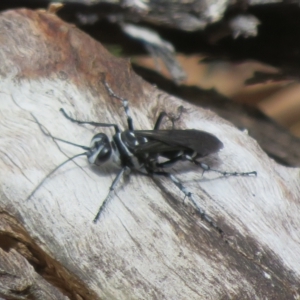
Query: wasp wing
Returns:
{"type": "Point", "coordinates": [202, 142]}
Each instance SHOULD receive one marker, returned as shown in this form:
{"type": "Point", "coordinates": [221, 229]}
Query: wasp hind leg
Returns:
{"type": "Point", "coordinates": [206, 167]}
{"type": "Point", "coordinates": [188, 194]}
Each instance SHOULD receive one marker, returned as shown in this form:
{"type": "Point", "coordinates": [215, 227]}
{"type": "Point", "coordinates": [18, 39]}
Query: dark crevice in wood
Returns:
{"type": "Point", "coordinates": [51, 270]}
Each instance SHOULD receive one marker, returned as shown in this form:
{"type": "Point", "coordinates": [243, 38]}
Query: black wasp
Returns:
{"type": "Point", "coordinates": [142, 151]}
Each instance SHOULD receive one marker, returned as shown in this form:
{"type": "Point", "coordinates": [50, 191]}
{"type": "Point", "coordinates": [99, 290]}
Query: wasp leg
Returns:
{"type": "Point", "coordinates": [124, 102]}
{"type": "Point", "coordinates": [169, 162]}
{"type": "Point", "coordinates": [173, 119]}
{"type": "Point", "coordinates": [161, 116]}
{"type": "Point", "coordinates": [47, 133]}
{"type": "Point", "coordinates": [111, 189]}
{"type": "Point", "coordinates": [205, 167]}
{"type": "Point", "coordinates": [188, 194]}
{"type": "Point", "coordinates": [116, 127]}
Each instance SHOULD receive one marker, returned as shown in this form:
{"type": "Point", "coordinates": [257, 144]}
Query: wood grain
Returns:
{"type": "Point", "coordinates": [148, 243]}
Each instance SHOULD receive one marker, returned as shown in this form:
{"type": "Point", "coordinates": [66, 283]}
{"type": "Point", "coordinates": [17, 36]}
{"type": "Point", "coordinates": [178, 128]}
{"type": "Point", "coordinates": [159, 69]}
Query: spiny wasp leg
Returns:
{"type": "Point", "coordinates": [111, 189]}
{"type": "Point", "coordinates": [124, 103]}
{"type": "Point", "coordinates": [188, 194]}
{"type": "Point", "coordinates": [206, 167]}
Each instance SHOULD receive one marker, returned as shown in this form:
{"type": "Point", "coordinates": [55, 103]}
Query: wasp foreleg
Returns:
{"type": "Point", "coordinates": [111, 189]}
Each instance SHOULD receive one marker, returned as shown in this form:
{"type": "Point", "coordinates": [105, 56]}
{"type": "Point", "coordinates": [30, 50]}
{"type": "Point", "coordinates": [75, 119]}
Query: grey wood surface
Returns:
{"type": "Point", "coordinates": [148, 243]}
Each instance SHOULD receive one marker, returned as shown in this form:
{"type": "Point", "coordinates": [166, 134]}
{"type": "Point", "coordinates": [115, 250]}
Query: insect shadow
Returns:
{"type": "Point", "coordinates": [148, 152]}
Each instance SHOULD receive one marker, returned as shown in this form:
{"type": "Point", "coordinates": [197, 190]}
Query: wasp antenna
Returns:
{"type": "Point", "coordinates": [53, 171]}
{"type": "Point", "coordinates": [47, 133]}
{"type": "Point", "coordinates": [44, 130]}
{"type": "Point", "coordinates": [97, 124]}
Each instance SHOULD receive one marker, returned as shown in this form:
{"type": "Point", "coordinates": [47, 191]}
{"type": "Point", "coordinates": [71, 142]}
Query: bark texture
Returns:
{"type": "Point", "coordinates": [148, 244]}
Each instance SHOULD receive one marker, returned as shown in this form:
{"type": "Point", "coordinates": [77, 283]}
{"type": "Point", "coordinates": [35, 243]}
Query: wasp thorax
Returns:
{"type": "Point", "coordinates": [100, 149]}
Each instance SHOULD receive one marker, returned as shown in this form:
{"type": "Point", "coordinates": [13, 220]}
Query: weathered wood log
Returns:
{"type": "Point", "coordinates": [148, 244]}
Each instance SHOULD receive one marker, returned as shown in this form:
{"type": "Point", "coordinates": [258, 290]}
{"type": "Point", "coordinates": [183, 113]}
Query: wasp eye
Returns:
{"type": "Point", "coordinates": [99, 140]}
{"type": "Point", "coordinates": [100, 149]}
{"type": "Point", "coordinates": [103, 154]}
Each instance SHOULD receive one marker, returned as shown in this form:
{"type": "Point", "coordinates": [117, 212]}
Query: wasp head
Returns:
{"type": "Point", "coordinates": [100, 149]}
